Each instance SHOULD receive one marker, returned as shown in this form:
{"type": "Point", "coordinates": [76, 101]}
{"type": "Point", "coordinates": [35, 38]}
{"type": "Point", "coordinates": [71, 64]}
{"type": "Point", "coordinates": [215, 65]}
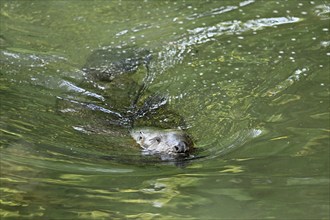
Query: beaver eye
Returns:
{"type": "Point", "coordinates": [140, 138]}
{"type": "Point", "coordinates": [157, 139]}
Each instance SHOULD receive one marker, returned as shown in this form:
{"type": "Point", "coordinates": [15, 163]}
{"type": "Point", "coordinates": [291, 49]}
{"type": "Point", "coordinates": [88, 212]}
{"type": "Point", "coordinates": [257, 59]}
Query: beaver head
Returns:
{"type": "Point", "coordinates": [169, 141]}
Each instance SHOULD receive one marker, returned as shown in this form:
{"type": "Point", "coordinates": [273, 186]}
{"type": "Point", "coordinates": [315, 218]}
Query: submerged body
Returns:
{"type": "Point", "coordinates": [131, 105]}
{"type": "Point", "coordinates": [163, 141]}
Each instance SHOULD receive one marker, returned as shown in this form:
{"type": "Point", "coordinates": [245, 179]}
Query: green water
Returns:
{"type": "Point", "coordinates": [250, 78]}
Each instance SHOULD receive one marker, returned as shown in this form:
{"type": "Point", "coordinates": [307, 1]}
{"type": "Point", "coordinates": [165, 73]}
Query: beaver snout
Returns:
{"type": "Point", "coordinates": [181, 147]}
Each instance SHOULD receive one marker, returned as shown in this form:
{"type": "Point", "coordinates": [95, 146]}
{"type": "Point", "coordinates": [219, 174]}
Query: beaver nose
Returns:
{"type": "Point", "coordinates": [181, 147]}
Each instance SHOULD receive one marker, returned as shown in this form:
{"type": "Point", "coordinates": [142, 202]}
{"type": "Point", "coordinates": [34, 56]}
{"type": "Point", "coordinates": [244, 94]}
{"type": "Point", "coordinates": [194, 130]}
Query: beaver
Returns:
{"type": "Point", "coordinates": [160, 141]}
{"type": "Point", "coordinates": [112, 68]}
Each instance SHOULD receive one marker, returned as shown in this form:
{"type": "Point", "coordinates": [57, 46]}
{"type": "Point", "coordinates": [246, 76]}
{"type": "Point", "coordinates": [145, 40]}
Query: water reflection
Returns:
{"type": "Point", "coordinates": [250, 79]}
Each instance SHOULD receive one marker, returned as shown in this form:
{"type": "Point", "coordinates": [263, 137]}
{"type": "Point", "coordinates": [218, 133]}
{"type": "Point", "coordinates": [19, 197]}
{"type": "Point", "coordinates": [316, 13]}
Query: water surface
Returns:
{"type": "Point", "coordinates": [249, 78]}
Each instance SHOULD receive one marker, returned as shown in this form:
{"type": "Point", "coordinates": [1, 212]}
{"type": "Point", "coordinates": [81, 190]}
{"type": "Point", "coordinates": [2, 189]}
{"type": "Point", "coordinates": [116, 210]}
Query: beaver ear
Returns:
{"type": "Point", "coordinates": [140, 136]}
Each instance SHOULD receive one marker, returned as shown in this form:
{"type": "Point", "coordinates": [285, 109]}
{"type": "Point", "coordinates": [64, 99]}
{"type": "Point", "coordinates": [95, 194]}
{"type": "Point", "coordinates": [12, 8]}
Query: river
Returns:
{"type": "Point", "coordinates": [250, 78]}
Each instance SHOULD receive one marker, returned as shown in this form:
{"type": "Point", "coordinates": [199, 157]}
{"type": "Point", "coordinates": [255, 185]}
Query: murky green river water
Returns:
{"type": "Point", "coordinates": [249, 78]}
